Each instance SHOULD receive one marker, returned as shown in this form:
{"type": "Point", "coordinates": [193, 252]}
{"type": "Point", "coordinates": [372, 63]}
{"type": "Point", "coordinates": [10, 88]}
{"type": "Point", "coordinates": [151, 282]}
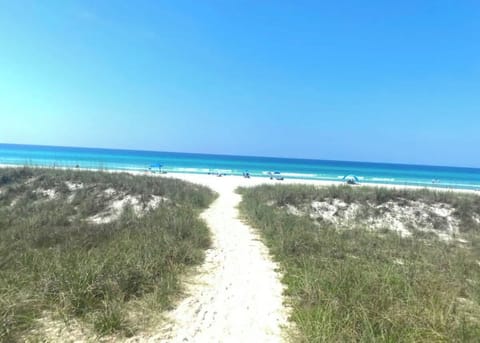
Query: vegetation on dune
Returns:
{"type": "Point", "coordinates": [55, 262]}
{"type": "Point", "coordinates": [361, 285]}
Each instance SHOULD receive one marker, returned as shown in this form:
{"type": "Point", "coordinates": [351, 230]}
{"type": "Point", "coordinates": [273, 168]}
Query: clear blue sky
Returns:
{"type": "Point", "coordinates": [391, 81]}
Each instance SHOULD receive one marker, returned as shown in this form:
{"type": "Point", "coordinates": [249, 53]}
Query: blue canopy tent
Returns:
{"type": "Point", "coordinates": [351, 179]}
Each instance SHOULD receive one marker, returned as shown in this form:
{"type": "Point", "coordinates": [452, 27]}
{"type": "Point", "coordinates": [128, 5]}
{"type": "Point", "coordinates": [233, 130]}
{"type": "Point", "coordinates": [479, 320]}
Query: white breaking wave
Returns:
{"type": "Point", "coordinates": [383, 179]}
{"type": "Point", "coordinates": [190, 170]}
{"type": "Point", "coordinates": [299, 175]}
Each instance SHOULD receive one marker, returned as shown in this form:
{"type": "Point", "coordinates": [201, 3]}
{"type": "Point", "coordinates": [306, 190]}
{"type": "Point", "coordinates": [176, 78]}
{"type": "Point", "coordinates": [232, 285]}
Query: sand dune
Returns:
{"type": "Point", "coordinates": [237, 294]}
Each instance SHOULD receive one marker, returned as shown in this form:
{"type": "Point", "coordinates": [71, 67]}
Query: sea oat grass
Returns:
{"type": "Point", "coordinates": [361, 285]}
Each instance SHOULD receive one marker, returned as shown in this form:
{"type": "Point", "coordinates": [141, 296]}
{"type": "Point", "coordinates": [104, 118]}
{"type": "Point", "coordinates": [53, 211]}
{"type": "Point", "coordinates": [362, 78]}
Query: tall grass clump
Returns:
{"type": "Point", "coordinates": [358, 285]}
{"type": "Point", "coordinates": [55, 262]}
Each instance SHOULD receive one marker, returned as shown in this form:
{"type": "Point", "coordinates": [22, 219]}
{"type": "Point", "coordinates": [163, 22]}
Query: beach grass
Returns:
{"type": "Point", "coordinates": [361, 285]}
{"type": "Point", "coordinates": [58, 265]}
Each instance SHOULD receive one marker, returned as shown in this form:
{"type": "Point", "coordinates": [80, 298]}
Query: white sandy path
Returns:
{"type": "Point", "coordinates": [237, 296]}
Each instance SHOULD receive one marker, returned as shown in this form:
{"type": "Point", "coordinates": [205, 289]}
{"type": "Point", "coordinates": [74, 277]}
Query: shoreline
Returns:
{"type": "Point", "coordinates": [213, 181]}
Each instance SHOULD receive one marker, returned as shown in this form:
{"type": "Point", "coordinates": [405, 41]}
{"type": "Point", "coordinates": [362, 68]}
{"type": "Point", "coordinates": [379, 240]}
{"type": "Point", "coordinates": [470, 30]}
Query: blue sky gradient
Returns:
{"type": "Point", "coordinates": [344, 80]}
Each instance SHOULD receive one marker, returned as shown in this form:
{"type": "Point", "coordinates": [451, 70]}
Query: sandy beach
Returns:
{"type": "Point", "coordinates": [219, 184]}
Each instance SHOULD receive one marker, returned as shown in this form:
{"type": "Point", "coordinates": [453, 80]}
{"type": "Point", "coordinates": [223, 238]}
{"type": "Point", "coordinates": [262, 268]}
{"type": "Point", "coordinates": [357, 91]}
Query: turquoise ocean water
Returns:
{"type": "Point", "coordinates": [401, 174]}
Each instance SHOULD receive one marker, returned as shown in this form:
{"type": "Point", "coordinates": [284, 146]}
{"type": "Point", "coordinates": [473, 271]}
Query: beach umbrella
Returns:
{"type": "Point", "coordinates": [351, 179]}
